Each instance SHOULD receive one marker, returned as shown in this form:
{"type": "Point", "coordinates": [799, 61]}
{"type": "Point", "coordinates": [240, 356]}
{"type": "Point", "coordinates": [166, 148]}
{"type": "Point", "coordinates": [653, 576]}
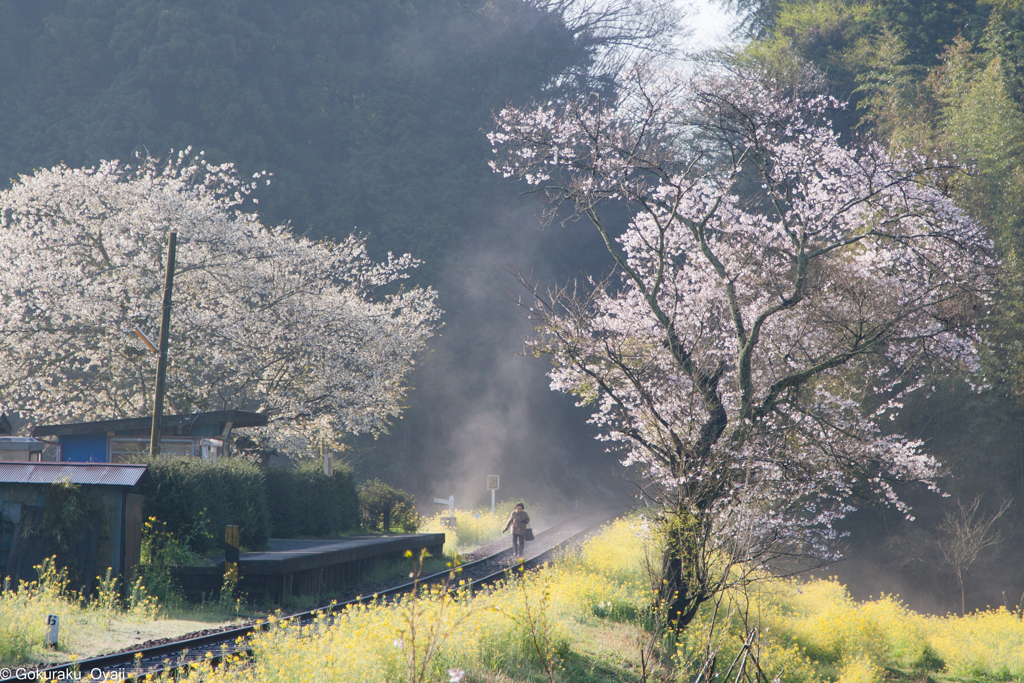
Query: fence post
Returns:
{"type": "Point", "coordinates": [231, 544]}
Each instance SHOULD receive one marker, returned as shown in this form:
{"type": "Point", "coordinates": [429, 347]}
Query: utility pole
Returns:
{"type": "Point", "coordinates": [161, 364]}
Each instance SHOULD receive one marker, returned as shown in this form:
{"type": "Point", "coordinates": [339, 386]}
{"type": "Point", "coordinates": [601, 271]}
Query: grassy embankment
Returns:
{"type": "Point", "coordinates": [87, 627]}
{"type": "Point", "coordinates": [586, 620]}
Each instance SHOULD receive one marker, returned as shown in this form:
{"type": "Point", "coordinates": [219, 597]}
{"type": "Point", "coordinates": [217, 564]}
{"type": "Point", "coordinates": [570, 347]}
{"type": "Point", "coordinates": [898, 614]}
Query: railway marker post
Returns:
{"type": "Point", "coordinates": [448, 521]}
{"type": "Point", "coordinates": [231, 544]}
{"type": "Point", "coordinates": [492, 486]}
{"type": "Point", "coordinates": [52, 630]}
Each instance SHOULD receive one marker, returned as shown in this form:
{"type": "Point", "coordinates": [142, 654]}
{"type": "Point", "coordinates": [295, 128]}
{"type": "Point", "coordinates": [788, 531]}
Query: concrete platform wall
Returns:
{"type": "Point", "coordinates": [299, 567]}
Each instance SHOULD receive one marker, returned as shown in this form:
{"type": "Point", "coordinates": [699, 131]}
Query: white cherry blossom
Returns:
{"type": "Point", "coordinates": [315, 334]}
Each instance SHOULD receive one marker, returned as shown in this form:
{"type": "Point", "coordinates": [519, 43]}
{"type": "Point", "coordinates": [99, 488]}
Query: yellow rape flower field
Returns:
{"type": "Point", "coordinates": [472, 528]}
{"type": "Point", "coordinates": [587, 619]}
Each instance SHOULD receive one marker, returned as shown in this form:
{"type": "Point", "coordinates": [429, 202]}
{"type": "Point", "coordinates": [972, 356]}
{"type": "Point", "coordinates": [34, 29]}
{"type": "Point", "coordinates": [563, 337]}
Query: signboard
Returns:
{"type": "Point", "coordinates": [492, 482]}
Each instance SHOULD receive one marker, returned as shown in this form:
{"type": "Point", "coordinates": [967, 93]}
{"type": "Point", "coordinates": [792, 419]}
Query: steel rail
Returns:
{"type": "Point", "coordinates": [211, 649]}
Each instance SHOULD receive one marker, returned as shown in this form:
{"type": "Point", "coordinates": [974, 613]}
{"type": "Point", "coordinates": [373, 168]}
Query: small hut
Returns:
{"type": "Point", "coordinates": [89, 515]}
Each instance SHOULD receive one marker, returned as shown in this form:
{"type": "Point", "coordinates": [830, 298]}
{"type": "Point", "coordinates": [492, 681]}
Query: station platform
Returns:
{"type": "Point", "coordinates": [307, 567]}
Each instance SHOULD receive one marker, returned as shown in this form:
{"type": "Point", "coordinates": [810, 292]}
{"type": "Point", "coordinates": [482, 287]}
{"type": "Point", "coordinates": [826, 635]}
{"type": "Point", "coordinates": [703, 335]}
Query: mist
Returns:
{"type": "Point", "coordinates": [479, 403]}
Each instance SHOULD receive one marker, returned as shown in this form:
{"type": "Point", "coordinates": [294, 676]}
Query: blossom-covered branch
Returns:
{"type": "Point", "coordinates": [262, 320]}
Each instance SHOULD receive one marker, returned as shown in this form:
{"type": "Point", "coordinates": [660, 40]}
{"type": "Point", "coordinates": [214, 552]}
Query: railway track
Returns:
{"type": "Point", "coordinates": [215, 647]}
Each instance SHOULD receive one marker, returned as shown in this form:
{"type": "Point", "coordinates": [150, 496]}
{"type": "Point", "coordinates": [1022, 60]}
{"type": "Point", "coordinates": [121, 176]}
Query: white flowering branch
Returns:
{"type": "Point", "coordinates": [263, 320]}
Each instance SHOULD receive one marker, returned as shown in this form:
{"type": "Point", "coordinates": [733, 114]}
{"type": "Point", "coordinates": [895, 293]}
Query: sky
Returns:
{"type": "Point", "coordinates": [711, 23]}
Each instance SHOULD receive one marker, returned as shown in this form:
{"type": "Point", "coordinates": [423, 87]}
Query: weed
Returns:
{"type": "Point", "coordinates": [162, 550]}
{"type": "Point", "coordinates": [533, 617]}
{"type": "Point", "coordinates": [427, 619]}
{"type": "Point", "coordinates": [140, 603]}
{"type": "Point", "coordinates": [108, 596]}
{"type": "Point", "coordinates": [227, 600]}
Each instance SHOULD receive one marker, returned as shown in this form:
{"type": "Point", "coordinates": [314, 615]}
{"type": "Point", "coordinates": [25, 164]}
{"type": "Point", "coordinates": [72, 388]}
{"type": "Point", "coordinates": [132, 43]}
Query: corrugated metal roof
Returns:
{"type": "Point", "coordinates": [238, 418]}
{"type": "Point", "coordinates": [77, 473]}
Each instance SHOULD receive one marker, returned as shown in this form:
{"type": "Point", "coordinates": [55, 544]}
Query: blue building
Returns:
{"type": "Point", "coordinates": [115, 441]}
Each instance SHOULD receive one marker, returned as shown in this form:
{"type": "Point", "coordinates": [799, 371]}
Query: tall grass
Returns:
{"type": "Point", "coordinates": [24, 610]}
{"type": "Point", "coordinates": [23, 613]}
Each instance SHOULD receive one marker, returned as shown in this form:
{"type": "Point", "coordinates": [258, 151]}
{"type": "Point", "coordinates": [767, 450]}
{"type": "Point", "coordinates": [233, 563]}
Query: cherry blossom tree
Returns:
{"type": "Point", "coordinates": [776, 293]}
{"type": "Point", "coordinates": [315, 334]}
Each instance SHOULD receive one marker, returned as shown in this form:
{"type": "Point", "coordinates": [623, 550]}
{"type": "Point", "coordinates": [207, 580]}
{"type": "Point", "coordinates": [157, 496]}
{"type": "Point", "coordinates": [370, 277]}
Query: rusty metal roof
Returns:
{"type": "Point", "coordinates": [238, 418]}
{"type": "Point", "coordinates": [102, 474]}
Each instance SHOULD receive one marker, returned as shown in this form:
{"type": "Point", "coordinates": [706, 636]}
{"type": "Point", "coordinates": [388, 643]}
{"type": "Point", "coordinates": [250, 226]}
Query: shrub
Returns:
{"type": "Point", "coordinates": [196, 501]}
{"type": "Point", "coordinates": [383, 507]}
{"type": "Point", "coordinates": [71, 512]}
{"type": "Point", "coordinates": [306, 502]}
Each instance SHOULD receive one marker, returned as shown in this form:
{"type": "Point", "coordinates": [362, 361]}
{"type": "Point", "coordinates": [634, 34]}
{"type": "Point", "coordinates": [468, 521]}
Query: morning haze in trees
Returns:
{"type": "Point", "coordinates": [776, 293]}
{"type": "Point", "coordinates": [368, 112]}
{"type": "Point", "coordinates": [371, 116]}
{"type": "Point", "coordinates": [946, 79]}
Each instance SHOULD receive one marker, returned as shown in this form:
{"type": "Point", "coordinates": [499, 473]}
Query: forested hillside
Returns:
{"type": "Point", "coordinates": [368, 113]}
{"type": "Point", "coordinates": [943, 80]}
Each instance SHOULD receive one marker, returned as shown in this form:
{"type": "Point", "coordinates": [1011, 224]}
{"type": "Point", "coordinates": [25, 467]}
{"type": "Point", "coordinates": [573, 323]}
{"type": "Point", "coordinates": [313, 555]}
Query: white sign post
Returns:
{"type": "Point", "coordinates": [448, 521]}
{"type": "Point", "coordinates": [52, 630]}
{"type": "Point", "coordinates": [492, 486]}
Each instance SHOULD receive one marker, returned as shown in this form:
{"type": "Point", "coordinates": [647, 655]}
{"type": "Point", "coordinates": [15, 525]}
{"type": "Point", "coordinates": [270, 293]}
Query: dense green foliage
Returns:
{"type": "Point", "coordinates": [369, 113]}
{"type": "Point", "coordinates": [196, 501]}
{"type": "Point", "coordinates": [306, 502]}
{"type": "Point", "coordinates": [385, 508]}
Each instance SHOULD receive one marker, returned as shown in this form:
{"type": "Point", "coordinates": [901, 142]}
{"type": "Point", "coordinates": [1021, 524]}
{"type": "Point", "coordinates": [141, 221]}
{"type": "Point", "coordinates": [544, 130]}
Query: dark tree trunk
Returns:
{"type": "Point", "coordinates": [685, 584]}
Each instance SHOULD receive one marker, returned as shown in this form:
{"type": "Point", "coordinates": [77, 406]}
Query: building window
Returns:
{"type": "Point", "coordinates": [129, 450]}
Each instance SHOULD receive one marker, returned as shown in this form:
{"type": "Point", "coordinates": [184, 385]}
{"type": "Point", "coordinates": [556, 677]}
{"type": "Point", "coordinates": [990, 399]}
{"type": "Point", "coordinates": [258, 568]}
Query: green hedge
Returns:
{"type": "Point", "coordinates": [306, 502]}
{"type": "Point", "coordinates": [197, 501]}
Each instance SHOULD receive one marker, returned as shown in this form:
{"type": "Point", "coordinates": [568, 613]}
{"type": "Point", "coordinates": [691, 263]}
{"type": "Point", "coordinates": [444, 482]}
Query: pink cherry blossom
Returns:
{"type": "Point", "coordinates": [776, 292]}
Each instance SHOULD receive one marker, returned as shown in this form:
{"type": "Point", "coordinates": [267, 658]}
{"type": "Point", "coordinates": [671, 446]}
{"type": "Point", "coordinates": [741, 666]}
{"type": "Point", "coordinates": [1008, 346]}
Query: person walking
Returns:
{"type": "Point", "coordinates": [518, 521]}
